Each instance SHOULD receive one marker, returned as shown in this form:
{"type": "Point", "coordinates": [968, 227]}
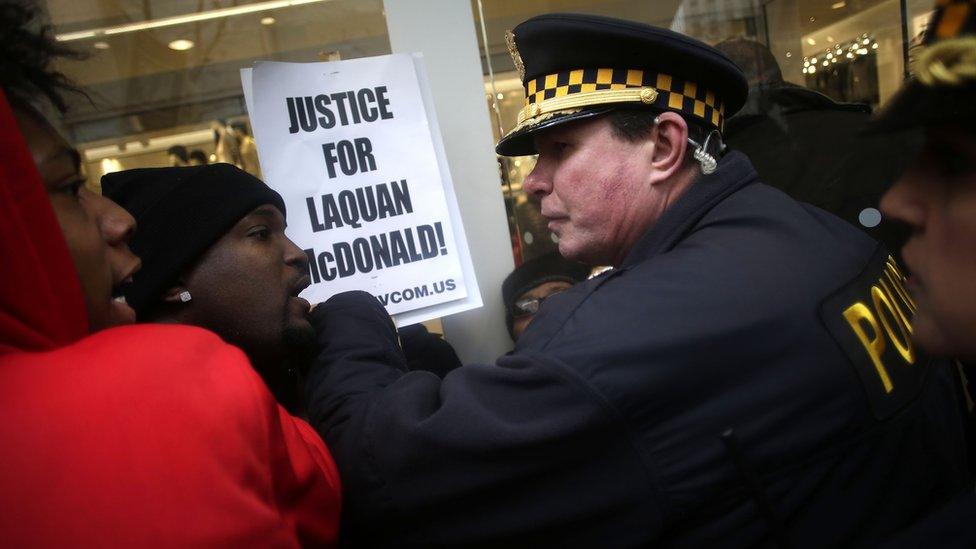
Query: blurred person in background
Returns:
{"type": "Point", "coordinates": [178, 156]}
{"type": "Point", "coordinates": [118, 435]}
{"type": "Point", "coordinates": [531, 283]}
{"type": "Point", "coordinates": [198, 158]}
{"type": "Point", "coordinates": [247, 149]}
{"type": "Point", "coordinates": [812, 147]}
{"type": "Point", "coordinates": [226, 144]}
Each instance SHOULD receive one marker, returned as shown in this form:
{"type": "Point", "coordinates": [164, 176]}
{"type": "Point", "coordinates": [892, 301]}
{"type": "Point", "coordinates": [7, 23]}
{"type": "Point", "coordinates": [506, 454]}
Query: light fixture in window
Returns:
{"type": "Point", "coordinates": [500, 96]}
{"type": "Point", "coordinates": [111, 165]}
{"type": "Point", "coordinates": [184, 19]}
{"type": "Point", "coordinates": [838, 5]}
{"type": "Point", "coordinates": [874, 46]}
{"type": "Point", "coordinates": [789, 54]}
{"type": "Point", "coordinates": [100, 45]}
{"type": "Point", "coordinates": [181, 45]}
{"type": "Point", "coordinates": [268, 20]}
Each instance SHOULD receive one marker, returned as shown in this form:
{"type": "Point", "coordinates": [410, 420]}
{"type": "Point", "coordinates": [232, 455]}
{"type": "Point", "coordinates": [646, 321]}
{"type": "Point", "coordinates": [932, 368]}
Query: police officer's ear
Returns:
{"type": "Point", "coordinates": [670, 139]}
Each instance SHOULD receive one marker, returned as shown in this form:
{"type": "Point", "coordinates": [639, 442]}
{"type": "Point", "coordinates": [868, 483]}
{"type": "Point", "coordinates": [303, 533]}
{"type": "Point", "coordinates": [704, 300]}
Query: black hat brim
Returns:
{"type": "Point", "coordinates": [916, 105]}
{"type": "Point", "coordinates": [521, 142]}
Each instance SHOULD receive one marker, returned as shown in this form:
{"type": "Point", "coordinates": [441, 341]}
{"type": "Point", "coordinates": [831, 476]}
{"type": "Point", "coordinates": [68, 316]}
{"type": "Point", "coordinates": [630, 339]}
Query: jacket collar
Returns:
{"type": "Point", "coordinates": [734, 172]}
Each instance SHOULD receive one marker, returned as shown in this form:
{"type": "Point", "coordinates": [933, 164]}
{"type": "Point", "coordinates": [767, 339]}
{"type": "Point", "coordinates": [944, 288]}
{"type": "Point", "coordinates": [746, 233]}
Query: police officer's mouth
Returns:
{"type": "Point", "coordinates": [912, 281]}
{"type": "Point", "coordinates": [555, 222]}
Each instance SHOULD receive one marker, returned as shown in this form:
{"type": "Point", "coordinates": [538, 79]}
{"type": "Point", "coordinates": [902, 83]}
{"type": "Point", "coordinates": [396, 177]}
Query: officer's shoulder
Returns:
{"type": "Point", "coordinates": [774, 218]}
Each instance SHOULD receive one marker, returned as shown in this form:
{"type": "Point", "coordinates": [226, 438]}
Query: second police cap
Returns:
{"type": "Point", "coordinates": [943, 90]}
{"type": "Point", "coordinates": [576, 66]}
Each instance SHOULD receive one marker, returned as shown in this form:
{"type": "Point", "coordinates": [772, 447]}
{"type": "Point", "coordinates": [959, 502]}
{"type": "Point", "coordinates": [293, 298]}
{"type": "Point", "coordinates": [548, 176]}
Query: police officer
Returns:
{"type": "Point", "coordinates": [743, 377]}
{"type": "Point", "coordinates": [936, 199]}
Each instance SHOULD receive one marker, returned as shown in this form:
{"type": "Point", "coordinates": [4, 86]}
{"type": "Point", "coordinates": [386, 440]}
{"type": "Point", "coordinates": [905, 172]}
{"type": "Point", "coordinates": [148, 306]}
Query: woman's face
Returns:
{"type": "Point", "coordinates": [95, 228]}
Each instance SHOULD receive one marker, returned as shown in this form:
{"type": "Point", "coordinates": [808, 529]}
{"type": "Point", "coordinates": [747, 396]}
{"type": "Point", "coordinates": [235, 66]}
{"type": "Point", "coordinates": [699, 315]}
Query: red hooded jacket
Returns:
{"type": "Point", "coordinates": [145, 435]}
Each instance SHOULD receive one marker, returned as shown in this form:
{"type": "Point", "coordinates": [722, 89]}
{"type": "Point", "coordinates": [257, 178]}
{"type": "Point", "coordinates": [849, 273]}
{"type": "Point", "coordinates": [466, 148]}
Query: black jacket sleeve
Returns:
{"type": "Point", "coordinates": [520, 453]}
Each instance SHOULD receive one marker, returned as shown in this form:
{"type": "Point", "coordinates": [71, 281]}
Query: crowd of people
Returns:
{"type": "Point", "coordinates": [752, 371]}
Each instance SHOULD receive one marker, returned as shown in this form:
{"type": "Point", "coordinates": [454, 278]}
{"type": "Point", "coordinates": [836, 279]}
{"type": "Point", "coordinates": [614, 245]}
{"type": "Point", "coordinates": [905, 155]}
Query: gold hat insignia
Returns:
{"type": "Point", "coordinates": [513, 51]}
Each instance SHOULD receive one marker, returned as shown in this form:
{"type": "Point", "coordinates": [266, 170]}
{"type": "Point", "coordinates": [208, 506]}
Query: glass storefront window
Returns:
{"type": "Point", "coordinates": [166, 74]}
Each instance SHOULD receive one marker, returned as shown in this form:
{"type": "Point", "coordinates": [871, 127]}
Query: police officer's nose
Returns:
{"type": "Point", "coordinates": [904, 202]}
{"type": "Point", "coordinates": [538, 183]}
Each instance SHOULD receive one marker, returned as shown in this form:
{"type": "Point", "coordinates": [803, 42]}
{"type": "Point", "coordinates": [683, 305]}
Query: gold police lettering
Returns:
{"type": "Point", "coordinates": [883, 320]}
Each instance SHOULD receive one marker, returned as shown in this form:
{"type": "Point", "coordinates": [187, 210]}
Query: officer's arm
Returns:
{"type": "Point", "coordinates": [513, 453]}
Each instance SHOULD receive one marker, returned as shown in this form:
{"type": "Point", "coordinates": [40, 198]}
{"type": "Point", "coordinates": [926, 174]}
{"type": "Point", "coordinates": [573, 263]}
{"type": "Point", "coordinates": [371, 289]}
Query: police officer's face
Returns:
{"type": "Point", "coordinates": [937, 199]}
{"type": "Point", "coordinates": [595, 189]}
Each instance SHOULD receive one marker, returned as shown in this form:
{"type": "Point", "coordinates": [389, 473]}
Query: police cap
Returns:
{"type": "Point", "coordinates": [577, 66]}
{"type": "Point", "coordinates": [943, 90]}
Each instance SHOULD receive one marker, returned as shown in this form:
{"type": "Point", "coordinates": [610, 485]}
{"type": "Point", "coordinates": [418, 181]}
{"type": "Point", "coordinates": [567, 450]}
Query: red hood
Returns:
{"type": "Point", "coordinates": [41, 303]}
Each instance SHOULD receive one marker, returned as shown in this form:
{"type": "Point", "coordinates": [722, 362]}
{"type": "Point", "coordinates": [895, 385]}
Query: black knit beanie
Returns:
{"type": "Point", "coordinates": [535, 272]}
{"type": "Point", "coordinates": [180, 212]}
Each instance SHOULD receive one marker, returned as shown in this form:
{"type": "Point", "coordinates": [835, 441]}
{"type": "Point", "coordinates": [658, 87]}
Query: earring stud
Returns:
{"type": "Point", "coordinates": [185, 296]}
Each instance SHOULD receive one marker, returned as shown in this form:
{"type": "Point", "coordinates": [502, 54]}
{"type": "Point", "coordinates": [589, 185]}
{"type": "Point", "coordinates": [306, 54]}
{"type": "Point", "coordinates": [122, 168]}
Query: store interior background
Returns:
{"type": "Point", "coordinates": [166, 72]}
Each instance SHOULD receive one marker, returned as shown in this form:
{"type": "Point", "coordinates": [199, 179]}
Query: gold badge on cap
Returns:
{"type": "Point", "coordinates": [513, 51]}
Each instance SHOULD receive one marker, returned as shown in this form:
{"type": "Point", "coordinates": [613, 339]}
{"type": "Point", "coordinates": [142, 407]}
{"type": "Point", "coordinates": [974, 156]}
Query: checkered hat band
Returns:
{"type": "Point", "coordinates": [673, 94]}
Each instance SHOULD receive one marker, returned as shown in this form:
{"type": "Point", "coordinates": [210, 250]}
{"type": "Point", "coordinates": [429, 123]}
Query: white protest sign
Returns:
{"type": "Point", "coordinates": [353, 148]}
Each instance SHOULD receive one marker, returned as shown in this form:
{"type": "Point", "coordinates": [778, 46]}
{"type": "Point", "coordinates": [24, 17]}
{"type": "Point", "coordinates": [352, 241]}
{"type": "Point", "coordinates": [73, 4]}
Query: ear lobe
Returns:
{"type": "Point", "coordinates": [176, 294]}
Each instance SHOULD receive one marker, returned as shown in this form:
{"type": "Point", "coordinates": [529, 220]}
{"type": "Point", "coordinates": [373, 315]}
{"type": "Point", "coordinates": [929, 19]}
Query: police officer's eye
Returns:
{"type": "Point", "coordinates": [958, 165]}
{"type": "Point", "coordinates": [950, 162]}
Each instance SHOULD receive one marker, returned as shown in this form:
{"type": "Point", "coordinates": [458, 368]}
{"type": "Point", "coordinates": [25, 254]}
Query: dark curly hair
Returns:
{"type": "Point", "coordinates": [27, 47]}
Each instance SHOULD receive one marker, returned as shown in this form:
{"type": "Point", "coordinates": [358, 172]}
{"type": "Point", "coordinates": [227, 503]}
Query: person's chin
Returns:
{"type": "Point", "coordinates": [121, 313]}
{"type": "Point", "coordinates": [110, 312]}
{"type": "Point", "coordinates": [927, 334]}
{"type": "Point", "coordinates": [299, 341]}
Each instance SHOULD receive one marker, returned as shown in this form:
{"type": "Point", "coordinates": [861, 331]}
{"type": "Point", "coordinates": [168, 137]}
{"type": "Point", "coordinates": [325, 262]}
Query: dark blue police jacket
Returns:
{"type": "Point", "coordinates": [745, 378]}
